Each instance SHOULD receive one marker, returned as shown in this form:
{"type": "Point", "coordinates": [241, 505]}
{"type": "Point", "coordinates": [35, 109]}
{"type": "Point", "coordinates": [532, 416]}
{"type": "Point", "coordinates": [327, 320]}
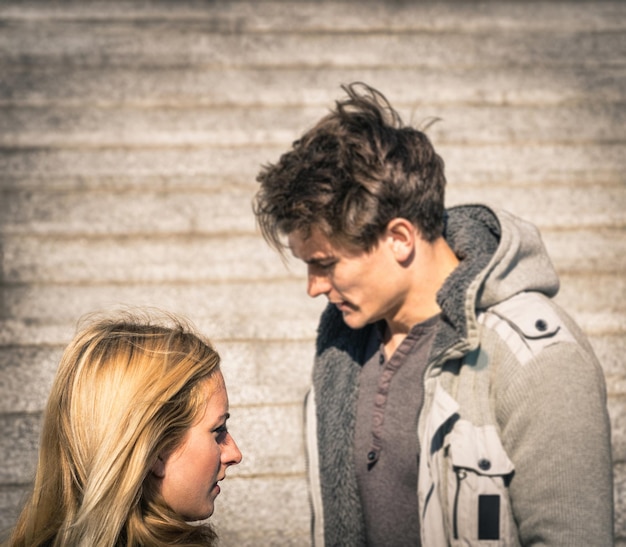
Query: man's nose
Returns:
{"type": "Point", "coordinates": [317, 284]}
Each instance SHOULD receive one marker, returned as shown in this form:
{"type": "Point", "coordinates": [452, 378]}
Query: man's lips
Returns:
{"type": "Point", "coordinates": [343, 306]}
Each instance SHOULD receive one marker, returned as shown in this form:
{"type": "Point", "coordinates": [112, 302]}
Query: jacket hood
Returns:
{"type": "Point", "coordinates": [501, 255]}
{"type": "Point", "coordinates": [518, 260]}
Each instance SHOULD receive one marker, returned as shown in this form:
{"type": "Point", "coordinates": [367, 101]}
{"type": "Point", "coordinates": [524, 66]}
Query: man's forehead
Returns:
{"type": "Point", "coordinates": [315, 246]}
{"type": "Point", "coordinates": [306, 245]}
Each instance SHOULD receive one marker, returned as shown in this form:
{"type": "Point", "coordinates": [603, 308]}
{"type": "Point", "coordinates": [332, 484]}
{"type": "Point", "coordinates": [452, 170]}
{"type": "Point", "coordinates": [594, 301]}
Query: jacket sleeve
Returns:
{"type": "Point", "coordinates": [555, 428]}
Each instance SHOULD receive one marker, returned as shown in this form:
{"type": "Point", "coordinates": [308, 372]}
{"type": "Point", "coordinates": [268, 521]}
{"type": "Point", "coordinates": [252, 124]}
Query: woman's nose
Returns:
{"type": "Point", "coordinates": [231, 455]}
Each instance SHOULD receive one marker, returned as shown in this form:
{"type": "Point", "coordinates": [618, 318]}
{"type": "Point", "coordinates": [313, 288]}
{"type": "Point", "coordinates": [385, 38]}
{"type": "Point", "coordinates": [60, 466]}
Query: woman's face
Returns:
{"type": "Point", "coordinates": [190, 474]}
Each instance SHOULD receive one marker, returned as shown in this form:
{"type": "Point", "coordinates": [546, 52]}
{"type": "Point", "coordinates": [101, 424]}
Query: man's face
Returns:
{"type": "Point", "coordinates": [365, 286]}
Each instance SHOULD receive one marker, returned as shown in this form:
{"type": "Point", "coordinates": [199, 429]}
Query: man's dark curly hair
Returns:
{"type": "Point", "coordinates": [352, 173]}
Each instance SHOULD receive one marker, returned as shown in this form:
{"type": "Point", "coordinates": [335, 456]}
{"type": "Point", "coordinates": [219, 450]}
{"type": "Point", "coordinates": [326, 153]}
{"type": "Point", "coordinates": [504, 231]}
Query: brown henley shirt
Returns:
{"type": "Point", "coordinates": [385, 442]}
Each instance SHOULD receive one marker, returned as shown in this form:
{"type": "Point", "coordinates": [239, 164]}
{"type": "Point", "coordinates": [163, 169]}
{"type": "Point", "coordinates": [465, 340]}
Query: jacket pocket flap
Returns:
{"type": "Point", "coordinates": [478, 449]}
{"type": "Point", "coordinates": [535, 326]}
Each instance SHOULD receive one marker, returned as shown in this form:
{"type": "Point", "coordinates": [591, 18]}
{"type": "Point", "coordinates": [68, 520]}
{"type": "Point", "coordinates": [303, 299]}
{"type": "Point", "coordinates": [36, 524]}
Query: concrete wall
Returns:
{"type": "Point", "coordinates": [130, 137]}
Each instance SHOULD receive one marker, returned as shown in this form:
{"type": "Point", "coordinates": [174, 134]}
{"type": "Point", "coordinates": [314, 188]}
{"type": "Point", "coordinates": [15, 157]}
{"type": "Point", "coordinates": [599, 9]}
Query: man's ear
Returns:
{"type": "Point", "coordinates": [402, 234]}
{"type": "Point", "coordinates": [158, 468]}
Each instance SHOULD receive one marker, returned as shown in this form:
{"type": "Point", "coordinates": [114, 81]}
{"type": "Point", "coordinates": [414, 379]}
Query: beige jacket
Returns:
{"type": "Point", "coordinates": [514, 432]}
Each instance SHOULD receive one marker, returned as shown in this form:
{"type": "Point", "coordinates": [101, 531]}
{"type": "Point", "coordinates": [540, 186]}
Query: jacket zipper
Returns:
{"type": "Point", "coordinates": [460, 475]}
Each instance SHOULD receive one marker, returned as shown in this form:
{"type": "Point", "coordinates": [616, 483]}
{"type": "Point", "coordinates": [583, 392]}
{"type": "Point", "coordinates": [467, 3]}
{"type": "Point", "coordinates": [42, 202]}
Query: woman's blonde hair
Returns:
{"type": "Point", "coordinates": [127, 390]}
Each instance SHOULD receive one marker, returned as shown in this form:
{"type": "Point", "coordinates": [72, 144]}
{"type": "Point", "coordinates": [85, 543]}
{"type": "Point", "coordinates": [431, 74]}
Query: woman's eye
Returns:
{"type": "Point", "coordinates": [220, 433]}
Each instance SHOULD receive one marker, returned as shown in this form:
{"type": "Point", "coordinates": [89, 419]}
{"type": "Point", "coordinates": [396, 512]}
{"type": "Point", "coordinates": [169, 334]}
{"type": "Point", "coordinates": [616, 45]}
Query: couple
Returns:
{"type": "Point", "coordinates": [453, 402]}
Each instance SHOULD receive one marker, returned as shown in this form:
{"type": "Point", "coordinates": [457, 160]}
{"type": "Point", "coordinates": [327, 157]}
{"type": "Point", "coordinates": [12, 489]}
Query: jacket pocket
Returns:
{"type": "Point", "coordinates": [478, 476]}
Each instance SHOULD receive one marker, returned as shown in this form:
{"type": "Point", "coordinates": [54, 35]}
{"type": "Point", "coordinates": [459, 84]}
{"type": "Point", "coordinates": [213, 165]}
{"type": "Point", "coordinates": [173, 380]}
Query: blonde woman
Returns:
{"type": "Point", "coordinates": [134, 440]}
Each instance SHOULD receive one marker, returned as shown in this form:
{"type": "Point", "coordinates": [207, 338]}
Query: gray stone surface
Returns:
{"type": "Point", "coordinates": [232, 125]}
{"type": "Point", "coordinates": [131, 134]}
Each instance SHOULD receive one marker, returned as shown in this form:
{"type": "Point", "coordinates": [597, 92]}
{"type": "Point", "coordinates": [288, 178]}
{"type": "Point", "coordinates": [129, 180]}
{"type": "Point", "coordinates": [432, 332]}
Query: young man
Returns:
{"type": "Point", "coordinates": [453, 402]}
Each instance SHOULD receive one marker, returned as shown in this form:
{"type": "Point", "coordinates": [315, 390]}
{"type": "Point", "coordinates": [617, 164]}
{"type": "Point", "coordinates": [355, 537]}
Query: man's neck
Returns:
{"type": "Point", "coordinates": [428, 271]}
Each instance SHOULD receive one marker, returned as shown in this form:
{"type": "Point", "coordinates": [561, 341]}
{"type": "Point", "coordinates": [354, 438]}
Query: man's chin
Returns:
{"type": "Point", "coordinates": [354, 320]}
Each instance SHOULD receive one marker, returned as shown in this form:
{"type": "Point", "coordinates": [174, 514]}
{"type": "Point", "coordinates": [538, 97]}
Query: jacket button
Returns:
{"type": "Point", "coordinates": [381, 359]}
{"type": "Point", "coordinates": [541, 325]}
{"type": "Point", "coordinates": [484, 464]}
{"type": "Point", "coordinates": [371, 456]}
